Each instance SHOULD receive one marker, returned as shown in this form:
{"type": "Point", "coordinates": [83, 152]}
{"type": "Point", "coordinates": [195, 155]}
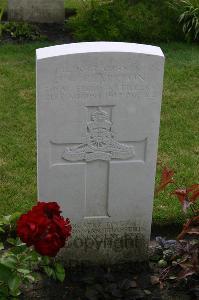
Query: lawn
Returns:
{"type": "Point", "coordinates": [72, 3]}
{"type": "Point", "coordinates": [178, 144]}
{"type": "Point", "coordinates": [75, 3]}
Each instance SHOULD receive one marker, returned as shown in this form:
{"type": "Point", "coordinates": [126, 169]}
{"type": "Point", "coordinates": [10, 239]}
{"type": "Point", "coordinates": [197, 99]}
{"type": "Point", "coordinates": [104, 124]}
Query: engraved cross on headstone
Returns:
{"type": "Point", "coordinates": [98, 150]}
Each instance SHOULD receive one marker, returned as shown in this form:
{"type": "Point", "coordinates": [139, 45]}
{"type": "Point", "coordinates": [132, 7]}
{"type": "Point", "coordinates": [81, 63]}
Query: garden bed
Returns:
{"type": "Point", "coordinates": [17, 33]}
{"type": "Point", "coordinates": [129, 281]}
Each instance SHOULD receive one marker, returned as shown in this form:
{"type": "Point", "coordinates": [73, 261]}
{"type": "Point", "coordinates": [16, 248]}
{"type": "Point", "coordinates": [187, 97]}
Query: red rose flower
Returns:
{"type": "Point", "coordinates": [62, 226]}
{"type": "Point", "coordinates": [49, 245]}
{"type": "Point", "coordinates": [54, 238]}
{"type": "Point", "coordinates": [47, 208]}
{"type": "Point", "coordinates": [44, 228]}
{"type": "Point", "coordinates": [30, 227]}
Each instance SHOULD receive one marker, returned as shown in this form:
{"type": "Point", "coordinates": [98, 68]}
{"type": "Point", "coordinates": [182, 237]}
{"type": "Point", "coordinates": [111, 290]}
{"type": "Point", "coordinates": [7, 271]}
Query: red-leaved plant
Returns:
{"type": "Point", "coordinates": [44, 228]}
{"type": "Point", "coordinates": [187, 197]}
{"type": "Point", "coordinates": [185, 259]}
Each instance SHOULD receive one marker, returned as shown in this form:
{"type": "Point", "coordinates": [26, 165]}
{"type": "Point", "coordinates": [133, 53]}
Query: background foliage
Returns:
{"type": "Point", "coordinates": [124, 20]}
{"type": "Point", "coordinates": [142, 21]}
{"type": "Point", "coordinates": [188, 11]}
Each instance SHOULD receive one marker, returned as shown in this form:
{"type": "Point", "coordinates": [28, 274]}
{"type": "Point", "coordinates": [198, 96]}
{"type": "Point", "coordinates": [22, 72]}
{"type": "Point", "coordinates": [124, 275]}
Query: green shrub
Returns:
{"type": "Point", "coordinates": [22, 31]}
{"type": "Point", "coordinates": [188, 11]}
{"type": "Point", "coordinates": [3, 4]}
{"type": "Point", "coordinates": [122, 20]}
{"type": "Point", "coordinates": [154, 21]}
{"type": "Point", "coordinates": [101, 21]}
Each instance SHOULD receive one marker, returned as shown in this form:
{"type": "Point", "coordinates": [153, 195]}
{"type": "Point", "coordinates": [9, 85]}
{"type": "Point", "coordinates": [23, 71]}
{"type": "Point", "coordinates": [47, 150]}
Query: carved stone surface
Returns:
{"type": "Point", "coordinates": [39, 11]}
{"type": "Point", "coordinates": [98, 112]}
{"type": "Point", "coordinates": [104, 242]}
{"type": "Point", "coordinates": [99, 142]}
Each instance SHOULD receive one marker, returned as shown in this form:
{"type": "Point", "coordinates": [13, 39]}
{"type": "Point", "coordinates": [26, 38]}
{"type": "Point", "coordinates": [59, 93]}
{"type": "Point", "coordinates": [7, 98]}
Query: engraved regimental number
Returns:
{"type": "Point", "coordinates": [99, 143]}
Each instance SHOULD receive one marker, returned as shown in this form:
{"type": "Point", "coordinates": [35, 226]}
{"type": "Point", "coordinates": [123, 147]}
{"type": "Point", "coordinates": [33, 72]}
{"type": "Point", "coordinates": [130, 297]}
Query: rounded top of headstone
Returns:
{"type": "Point", "coordinates": [97, 47]}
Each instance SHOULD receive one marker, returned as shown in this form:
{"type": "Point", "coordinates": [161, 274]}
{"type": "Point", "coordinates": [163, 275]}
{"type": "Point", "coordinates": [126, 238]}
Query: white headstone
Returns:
{"type": "Point", "coordinates": [98, 113]}
{"type": "Point", "coordinates": [39, 11]}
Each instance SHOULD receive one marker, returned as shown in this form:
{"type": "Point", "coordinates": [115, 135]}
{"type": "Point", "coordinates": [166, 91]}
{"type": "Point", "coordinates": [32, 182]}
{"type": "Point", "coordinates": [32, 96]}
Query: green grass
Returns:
{"type": "Point", "coordinates": [72, 3]}
{"type": "Point", "coordinates": [77, 4]}
{"type": "Point", "coordinates": [179, 130]}
{"type": "Point", "coordinates": [178, 144]}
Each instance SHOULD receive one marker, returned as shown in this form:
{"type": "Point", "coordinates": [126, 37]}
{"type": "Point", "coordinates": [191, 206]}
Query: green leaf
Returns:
{"type": "Point", "coordinates": [59, 272]}
{"type": "Point", "coordinates": [4, 292]}
{"type": "Point", "coordinates": [12, 241]}
{"type": "Point", "coordinates": [1, 246]}
{"type": "Point", "coordinates": [48, 270]}
{"type": "Point", "coordinates": [5, 273]}
{"type": "Point", "coordinates": [9, 261]}
{"type": "Point", "coordinates": [24, 271]}
{"type": "Point", "coordinates": [6, 219]}
{"type": "Point", "coordinates": [30, 278]}
{"type": "Point", "coordinates": [35, 256]}
{"type": "Point", "coordinates": [4, 296]}
{"type": "Point", "coordinates": [15, 293]}
{"type": "Point", "coordinates": [19, 249]}
{"type": "Point", "coordinates": [14, 217]}
{"type": "Point", "coordinates": [14, 283]}
{"type": "Point", "coordinates": [1, 229]}
{"type": "Point", "coordinates": [46, 260]}
{"type": "Point", "coordinates": [19, 243]}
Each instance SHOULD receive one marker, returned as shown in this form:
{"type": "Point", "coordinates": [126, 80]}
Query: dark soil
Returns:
{"type": "Point", "coordinates": [121, 282]}
{"type": "Point", "coordinates": [169, 231]}
{"type": "Point", "coordinates": [55, 33]}
{"type": "Point", "coordinates": [127, 281]}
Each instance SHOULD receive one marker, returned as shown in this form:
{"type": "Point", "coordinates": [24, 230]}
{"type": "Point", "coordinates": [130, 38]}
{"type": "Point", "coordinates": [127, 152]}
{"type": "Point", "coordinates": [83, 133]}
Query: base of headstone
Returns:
{"type": "Point", "coordinates": [37, 11]}
{"type": "Point", "coordinates": [106, 243]}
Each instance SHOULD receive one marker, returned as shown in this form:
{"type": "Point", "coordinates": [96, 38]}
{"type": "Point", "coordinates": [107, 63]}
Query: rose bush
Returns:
{"type": "Point", "coordinates": [44, 228]}
{"type": "Point", "coordinates": [29, 244]}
